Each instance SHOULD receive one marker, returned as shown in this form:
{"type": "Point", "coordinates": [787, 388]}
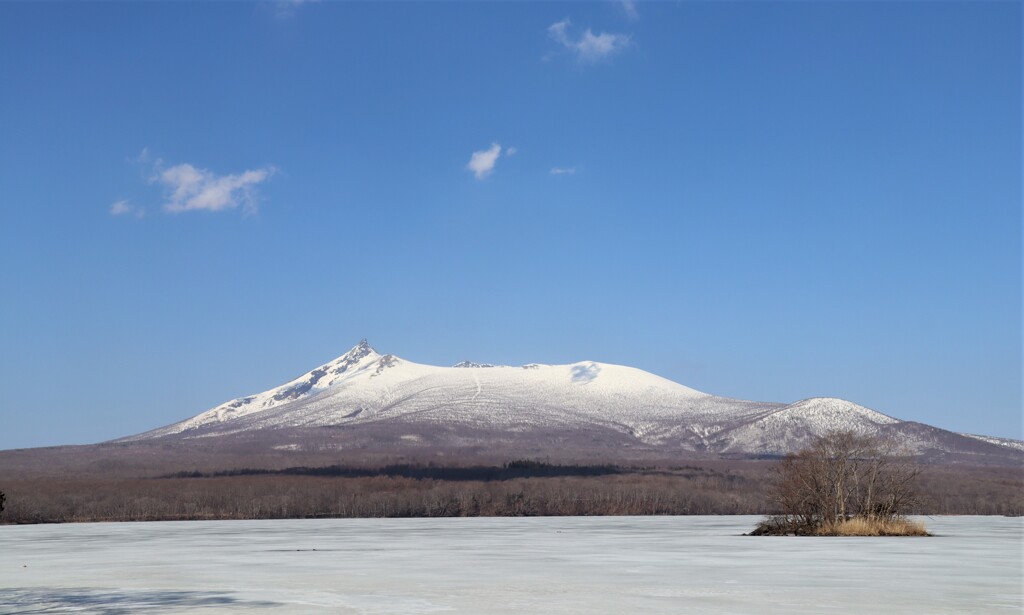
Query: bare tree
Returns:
{"type": "Point", "coordinates": [841, 476]}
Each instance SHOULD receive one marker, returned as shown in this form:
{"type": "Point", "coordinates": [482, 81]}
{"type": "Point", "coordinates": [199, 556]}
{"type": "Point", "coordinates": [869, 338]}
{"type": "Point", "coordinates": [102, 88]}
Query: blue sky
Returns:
{"type": "Point", "coordinates": [770, 201]}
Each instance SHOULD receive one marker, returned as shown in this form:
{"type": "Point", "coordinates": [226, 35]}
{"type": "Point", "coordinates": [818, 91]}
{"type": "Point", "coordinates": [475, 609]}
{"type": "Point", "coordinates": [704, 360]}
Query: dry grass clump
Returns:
{"type": "Point", "coordinates": [874, 526]}
{"type": "Point", "coordinates": [781, 525]}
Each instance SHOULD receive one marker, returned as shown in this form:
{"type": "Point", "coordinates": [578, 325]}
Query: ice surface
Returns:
{"type": "Point", "coordinates": [502, 565]}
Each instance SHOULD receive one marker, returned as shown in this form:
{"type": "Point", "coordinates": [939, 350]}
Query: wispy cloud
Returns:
{"type": "Point", "coordinates": [563, 171]}
{"type": "Point", "coordinates": [511, 151]}
{"type": "Point", "coordinates": [188, 188]}
{"type": "Point", "coordinates": [143, 158]}
{"type": "Point", "coordinates": [587, 47]}
{"type": "Point", "coordinates": [629, 7]}
{"type": "Point", "coordinates": [124, 208]}
{"type": "Point", "coordinates": [285, 9]}
{"type": "Point", "coordinates": [558, 32]}
{"type": "Point", "coordinates": [482, 163]}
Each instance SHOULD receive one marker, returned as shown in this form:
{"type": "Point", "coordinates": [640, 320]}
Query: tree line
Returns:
{"type": "Point", "coordinates": [520, 468]}
{"type": "Point", "coordinates": [714, 487]}
{"type": "Point", "coordinates": [278, 496]}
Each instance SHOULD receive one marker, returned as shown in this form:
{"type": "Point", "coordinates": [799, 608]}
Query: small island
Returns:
{"type": "Point", "coordinates": [844, 484]}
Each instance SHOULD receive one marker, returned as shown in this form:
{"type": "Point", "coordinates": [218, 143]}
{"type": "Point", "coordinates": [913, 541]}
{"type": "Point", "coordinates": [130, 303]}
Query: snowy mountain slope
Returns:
{"type": "Point", "coordinates": [801, 421]}
{"type": "Point", "coordinates": [1016, 445]}
{"type": "Point", "coordinates": [364, 390]}
{"type": "Point", "coordinates": [363, 386]}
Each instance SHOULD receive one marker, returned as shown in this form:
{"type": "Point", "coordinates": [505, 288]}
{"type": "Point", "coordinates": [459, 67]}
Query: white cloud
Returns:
{"type": "Point", "coordinates": [123, 208]}
{"type": "Point", "coordinates": [588, 47]}
{"type": "Point", "coordinates": [557, 31]}
{"type": "Point", "coordinates": [482, 163]}
{"type": "Point", "coordinates": [629, 6]}
{"type": "Point", "coordinates": [511, 151]}
{"type": "Point", "coordinates": [191, 189]}
{"type": "Point", "coordinates": [563, 171]}
{"type": "Point", "coordinates": [594, 46]}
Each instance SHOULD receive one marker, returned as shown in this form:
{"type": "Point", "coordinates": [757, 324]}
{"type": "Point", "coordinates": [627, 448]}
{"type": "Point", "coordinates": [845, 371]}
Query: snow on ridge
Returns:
{"type": "Point", "coordinates": [826, 408]}
{"type": "Point", "coordinates": [362, 386]}
{"type": "Point", "coordinates": [358, 358]}
{"type": "Point", "coordinates": [1017, 445]}
{"type": "Point", "coordinates": [776, 431]}
{"type": "Point", "coordinates": [822, 414]}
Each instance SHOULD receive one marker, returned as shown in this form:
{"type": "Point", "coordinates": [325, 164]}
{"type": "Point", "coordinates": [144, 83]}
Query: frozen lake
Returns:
{"type": "Point", "coordinates": [503, 565]}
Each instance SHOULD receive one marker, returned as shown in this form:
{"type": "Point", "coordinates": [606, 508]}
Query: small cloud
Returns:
{"type": "Point", "coordinates": [191, 189]}
{"type": "Point", "coordinates": [285, 9]}
{"type": "Point", "coordinates": [511, 151]}
{"type": "Point", "coordinates": [588, 47]}
{"type": "Point", "coordinates": [595, 46]}
{"type": "Point", "coordinates": [142, 158]}
{"type": "Point", "coordinates": [482, 163]}
{"type": "Point", "coordinates": [563, 171]}
{"type": "Point", "coordinates": [629, 7]}
{"type": "Point", "coordinates": [124, 208]}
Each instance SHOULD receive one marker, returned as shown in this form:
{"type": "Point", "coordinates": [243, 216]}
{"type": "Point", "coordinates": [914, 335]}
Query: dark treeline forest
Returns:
{"type": "Point", "coordinates": [523, 488]}
{"type": "Point", "coordinates": [522, 468]}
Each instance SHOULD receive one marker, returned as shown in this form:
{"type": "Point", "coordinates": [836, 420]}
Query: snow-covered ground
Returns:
{"type": "Point", "coordinates": [502, 565]}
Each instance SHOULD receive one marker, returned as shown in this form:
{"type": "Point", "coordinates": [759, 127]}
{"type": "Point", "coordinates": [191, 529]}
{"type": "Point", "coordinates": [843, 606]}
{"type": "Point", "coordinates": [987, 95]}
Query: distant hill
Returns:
{"type": "Point", "coordinates": [367, 401]}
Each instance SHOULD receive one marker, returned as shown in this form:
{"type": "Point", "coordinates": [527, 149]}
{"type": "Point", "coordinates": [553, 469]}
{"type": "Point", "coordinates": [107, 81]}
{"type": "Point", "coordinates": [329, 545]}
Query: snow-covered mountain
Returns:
{"type": "Point", "coordinates": [365, 399]}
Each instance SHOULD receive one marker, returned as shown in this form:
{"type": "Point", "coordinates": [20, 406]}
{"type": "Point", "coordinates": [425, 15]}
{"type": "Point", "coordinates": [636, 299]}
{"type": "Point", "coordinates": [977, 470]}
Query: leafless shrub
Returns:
{"type": "Point", "coordinates": [841, 477]}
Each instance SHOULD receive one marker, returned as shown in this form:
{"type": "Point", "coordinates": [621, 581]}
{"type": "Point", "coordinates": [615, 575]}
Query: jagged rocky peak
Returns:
{"type": "Point", "coordinates": [359, 352]}
{"type": "Point", "coordinates": [472, 364]}
{"type": "Point", "coordinates": [361, 349]}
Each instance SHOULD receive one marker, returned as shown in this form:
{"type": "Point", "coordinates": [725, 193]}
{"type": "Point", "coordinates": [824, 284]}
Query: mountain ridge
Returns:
{"type": "Point", "coordinates": [366, 399]}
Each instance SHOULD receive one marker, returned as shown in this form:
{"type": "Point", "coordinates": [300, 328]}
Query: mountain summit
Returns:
{"type": "Point", "coordinates": [373, 401]}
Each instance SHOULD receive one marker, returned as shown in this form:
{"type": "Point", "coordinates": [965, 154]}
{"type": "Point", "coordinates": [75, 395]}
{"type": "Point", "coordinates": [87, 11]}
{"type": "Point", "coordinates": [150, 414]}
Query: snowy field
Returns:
{"type": "Point", "coordinates": [502, 565]}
